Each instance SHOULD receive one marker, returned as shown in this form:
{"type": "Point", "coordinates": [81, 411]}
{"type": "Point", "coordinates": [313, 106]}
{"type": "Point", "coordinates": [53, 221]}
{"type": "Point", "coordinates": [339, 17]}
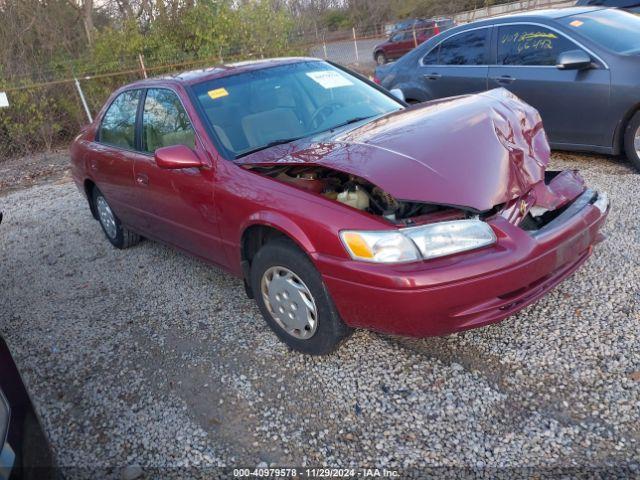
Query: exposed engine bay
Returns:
{"type": "Point", "coordinates": [537, 208]}
{"type": "Point", "coordinates": [358, 193]}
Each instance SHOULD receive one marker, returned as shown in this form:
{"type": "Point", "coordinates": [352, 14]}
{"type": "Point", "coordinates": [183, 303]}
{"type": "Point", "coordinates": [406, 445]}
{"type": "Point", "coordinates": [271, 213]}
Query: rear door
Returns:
{"type": "Point", "coordinates": [571, 102]}
{"type": "Point", "coordinates": [110, 161]}
{"type": "Point", "coordinates": [178, 204]}
{"type": "Point", "coordinates": [458, 65]}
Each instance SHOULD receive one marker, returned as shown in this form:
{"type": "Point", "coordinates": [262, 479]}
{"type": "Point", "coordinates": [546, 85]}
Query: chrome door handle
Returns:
{"type": "Point", "coordinates": [504, 79]}
{"type": "Point", "coordinates": [142, 179]}
{"type": "Point", "coordinates": [433, 76]}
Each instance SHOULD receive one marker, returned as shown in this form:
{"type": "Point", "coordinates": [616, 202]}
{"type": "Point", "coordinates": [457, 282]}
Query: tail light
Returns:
{"type": "Point", "coordinates": [376, 80]}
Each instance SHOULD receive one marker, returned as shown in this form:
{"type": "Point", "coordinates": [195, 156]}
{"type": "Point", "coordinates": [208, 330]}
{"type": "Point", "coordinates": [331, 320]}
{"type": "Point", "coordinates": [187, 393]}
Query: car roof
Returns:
{"type": "Point", "coordinates": [191, 77]}
{"type": "Point", "coordinates": [532, 15]}
{"type": "Point", "coordinates": [610, 3]}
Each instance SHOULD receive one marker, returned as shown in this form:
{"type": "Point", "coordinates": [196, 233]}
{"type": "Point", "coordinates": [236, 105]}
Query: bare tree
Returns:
{"type": "Point", "coordinates": [84, 9]}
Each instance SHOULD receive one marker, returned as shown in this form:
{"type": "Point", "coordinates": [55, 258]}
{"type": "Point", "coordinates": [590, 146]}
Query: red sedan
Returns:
{"type": "Point", "coordinates": [339, 205]}
{"type": "Point", "coordinates": [404, 40]}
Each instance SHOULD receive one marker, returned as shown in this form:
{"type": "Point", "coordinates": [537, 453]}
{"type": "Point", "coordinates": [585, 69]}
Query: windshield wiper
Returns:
{"type": "Point", "coordinates": [349, 122]}
{"type": "Point", "coordinates": [281, 141]}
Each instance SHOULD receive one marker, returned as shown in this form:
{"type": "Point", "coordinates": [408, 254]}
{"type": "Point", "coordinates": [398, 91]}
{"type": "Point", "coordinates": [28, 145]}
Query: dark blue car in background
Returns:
{"type": "Point", "coordinates": [579, 66]}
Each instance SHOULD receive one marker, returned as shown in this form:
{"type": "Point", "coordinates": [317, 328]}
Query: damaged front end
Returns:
{"type": "Point", "coordinates": [550, 202]}
{"type": "Point", "coordinates": [475, 157]}
{"type": "Point", "coordinates": [538, 208]}
{"type": "Point", "coordinates": [358, 193]}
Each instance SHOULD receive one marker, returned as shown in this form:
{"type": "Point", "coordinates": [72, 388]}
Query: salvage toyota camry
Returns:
{"type": "Point", "coordinates": [340, 206]}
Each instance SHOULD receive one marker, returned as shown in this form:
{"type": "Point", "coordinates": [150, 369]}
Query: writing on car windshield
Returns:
{"type": "Point", "coordinates": [256, 109]}
{"type": "Point", "coordinates": [529, 40]}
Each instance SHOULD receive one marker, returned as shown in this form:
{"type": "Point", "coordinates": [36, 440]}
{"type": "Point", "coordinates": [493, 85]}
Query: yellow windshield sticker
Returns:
{"type": "Point", "coordinates": [218, 93]}
{"type": "Point", "coordinates": [576, 23]}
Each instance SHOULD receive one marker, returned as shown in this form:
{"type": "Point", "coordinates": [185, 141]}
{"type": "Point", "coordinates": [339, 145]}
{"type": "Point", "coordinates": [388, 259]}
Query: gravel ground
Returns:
{"type": "Point", "coordinates": [149, 358]}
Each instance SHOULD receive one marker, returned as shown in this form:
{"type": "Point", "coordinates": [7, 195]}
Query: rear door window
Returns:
{"type": "Point", "coordinates": [431, 58]}
{"type": "Point", "coordinates": [164, 121]}
{"type": "Point", "coordinates": [468, 48]}
{"type": "Point", "coordinates": [530, 45]}
{"type": "Point", "coordinates": [119, 122]}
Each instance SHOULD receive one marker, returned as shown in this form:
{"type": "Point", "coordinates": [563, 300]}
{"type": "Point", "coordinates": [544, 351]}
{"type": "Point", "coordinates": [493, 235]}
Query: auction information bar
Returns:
{"type": "Point", "coordinates": [315, 473]}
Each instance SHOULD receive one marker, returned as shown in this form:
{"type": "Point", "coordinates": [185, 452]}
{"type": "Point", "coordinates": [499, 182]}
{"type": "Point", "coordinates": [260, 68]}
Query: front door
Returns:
{"type": "Point", "coordinates": [571, 102]}
{"type": "Point", "coordinates": [178, 204]}
{"type": "Point", "coordinates": [458, 65]}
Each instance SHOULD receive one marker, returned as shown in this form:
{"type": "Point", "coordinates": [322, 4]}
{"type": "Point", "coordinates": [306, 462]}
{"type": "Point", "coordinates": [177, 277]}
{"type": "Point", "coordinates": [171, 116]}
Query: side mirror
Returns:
{"type": "Point", "coordinates": [396, 92]}
{"type": "Point", "coordinates": [177, 156]}
{"type": "Point", "coordinates": [574, 60]}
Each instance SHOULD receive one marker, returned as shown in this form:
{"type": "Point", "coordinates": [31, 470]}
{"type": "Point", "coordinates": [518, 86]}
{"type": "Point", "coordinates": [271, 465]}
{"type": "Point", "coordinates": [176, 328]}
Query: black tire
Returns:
{"type": "Point", "coordinates": [123, 237]}
{"type": "Point", "coordinates": [330, 330]}
{"type": "Point", "coordinates": [633, 129]}
{"type": "Point", "coordinates": [381, 58]}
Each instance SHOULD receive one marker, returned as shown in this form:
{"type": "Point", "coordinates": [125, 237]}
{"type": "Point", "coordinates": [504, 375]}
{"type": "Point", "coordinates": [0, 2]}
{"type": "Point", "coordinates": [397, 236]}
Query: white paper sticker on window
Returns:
{"type": "Point", "coordinates": [329, 79]}
{"type": "Point", "coordinates": [4, 101]}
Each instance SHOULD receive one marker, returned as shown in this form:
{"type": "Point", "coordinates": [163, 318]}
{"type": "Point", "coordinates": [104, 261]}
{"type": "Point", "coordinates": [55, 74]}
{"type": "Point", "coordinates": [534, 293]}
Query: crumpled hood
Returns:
{"type": "Point", "coordinates": [474, 151]}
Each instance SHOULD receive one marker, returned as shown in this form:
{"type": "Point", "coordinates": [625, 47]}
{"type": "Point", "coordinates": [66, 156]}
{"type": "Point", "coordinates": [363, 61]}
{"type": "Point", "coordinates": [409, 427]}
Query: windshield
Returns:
{"type": "Point", "coordinates": [613, 29]}
{"type": "Point", "coordinates": [253, 110]}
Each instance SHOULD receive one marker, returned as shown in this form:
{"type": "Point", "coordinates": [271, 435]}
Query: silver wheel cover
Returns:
{"type": "Point", "coordinates": [107, 218]}
{"type": "Point", "coordinates": [289, 302]}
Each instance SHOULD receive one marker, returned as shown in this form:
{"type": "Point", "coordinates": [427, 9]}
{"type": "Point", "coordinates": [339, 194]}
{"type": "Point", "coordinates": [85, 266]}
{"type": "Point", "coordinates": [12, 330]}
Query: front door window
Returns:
{"type": "Point", "coordinates": [530, 45]}
{"type": "Point", "coordinates": [165, 121]}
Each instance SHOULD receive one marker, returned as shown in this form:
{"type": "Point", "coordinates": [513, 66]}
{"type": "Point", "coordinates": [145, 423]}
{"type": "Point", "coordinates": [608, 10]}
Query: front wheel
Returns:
{"type": "Point", "coordinates": [381, 58]}
{"type": "Point", "coordinates": [116, 233]}
{"type": "Point", "coordinates": [293, 299]}
{"type": "Point", "coordinates": [632, 141]}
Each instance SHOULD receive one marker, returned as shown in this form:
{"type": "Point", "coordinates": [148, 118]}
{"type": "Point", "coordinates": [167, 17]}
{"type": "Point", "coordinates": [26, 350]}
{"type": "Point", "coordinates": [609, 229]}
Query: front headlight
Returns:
{"type": "Point", "coordinates": [415, 243]}
{"type": "Point", "coordinates": [447, 238]}
{"type": "Point", "coordinates": [382, 247]}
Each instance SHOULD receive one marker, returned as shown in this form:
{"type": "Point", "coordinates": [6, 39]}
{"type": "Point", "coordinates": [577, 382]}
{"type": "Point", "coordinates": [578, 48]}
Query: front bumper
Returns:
{"type": "Point", "coordinates": [468, 290]}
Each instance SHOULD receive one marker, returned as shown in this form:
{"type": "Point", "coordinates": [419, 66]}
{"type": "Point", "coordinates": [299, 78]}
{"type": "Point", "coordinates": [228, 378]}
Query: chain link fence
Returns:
{"type": "Point", "coordinates": [43, 110]}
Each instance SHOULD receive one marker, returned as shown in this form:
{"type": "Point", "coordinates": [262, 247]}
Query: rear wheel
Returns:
{"type": "Point", "coordinates": [381, 58]}
{"type": "Point", "coordinates": [116, 233]}
{"type": "Point", "coordinates": [293, 299]}
{"type": "Point", "coordinates": [632, 141]}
